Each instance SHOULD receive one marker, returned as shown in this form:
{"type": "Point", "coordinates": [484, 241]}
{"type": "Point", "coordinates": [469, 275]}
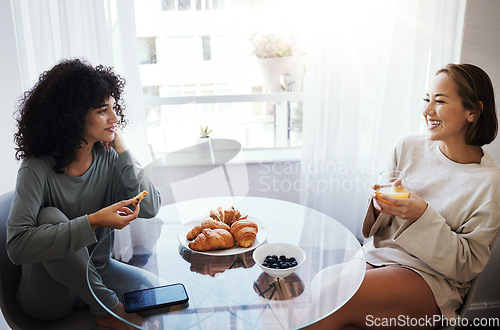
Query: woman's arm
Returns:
{"type": "Point", "coordinates": [459, 254]}
{"type": "Point", "coordinates": [129, 176]}
{"type": "Point", "coordinates": [116, 216]}
{"type": "Point", "coordinates": [29, 242]}
{"type": "Point", "coordinates": [118, 143]}
{"type": "Point", "coordinates": [374, 220]}
{"type": "Point", "coordinates": [129, 179]}
{"type": "Point", "coordinates": [410, 208]}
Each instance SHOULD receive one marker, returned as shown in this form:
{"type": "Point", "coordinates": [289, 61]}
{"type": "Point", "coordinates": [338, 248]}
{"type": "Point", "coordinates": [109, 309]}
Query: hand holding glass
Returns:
{"type": "Point", "coordinates": [391, 184]}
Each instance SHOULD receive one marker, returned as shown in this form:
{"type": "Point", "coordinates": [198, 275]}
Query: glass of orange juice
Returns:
{"type": "Point", "coordinates": [391, 184]}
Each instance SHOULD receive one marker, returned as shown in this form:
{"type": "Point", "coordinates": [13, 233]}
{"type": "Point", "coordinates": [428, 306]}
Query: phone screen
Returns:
{"type": "Point", "coordinates": [163, 296]}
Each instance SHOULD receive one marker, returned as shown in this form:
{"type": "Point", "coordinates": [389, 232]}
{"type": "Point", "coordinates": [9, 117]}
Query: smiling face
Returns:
{"type": "Point", "coordinates": [447, 119]}
{"type": "Point", "coordinates": [100, 123]}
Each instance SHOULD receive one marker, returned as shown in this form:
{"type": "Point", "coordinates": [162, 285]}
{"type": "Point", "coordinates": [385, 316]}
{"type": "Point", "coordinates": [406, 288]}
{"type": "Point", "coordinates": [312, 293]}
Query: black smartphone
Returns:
{"type": "Point", "coordinates": [153, 298]}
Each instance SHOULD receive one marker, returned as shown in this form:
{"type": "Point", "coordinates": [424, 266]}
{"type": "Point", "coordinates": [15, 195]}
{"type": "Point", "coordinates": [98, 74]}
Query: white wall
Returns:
{"type": "Point", "coordinates": [481, 46]}
{"type": "Point", "coordinates": [10, 90]}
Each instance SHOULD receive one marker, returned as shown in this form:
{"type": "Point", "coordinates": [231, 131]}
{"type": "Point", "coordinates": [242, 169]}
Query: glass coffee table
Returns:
{"type": "Point", "coordinates": [226, 289]}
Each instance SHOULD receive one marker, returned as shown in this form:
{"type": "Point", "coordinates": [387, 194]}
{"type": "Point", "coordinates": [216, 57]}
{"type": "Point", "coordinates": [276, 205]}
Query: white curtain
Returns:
{"type": "Point", "coordinates": [367, 72]}
{"type": "Point", "coordinates": [100, 31]}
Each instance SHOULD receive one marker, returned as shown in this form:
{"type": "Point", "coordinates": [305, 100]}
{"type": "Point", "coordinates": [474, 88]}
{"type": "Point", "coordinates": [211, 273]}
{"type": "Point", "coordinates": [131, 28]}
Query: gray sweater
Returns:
{"type": "Point", "coordinates": [110, 178]}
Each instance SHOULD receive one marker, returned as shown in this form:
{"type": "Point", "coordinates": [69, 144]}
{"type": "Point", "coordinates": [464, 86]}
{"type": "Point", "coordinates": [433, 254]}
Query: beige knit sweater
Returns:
{"type": "Point", "coordinates": [450, 243]}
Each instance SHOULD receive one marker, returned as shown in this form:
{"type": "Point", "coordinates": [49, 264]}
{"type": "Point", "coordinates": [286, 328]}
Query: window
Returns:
{"type": "Point", "coordinates": [167, 5]}
{"type": "Point", "coordinates": [207, 53]}
{"type": "Point", "coordinates": [198, 56]}
{"type": "Point", "coordinates": [147, 50]}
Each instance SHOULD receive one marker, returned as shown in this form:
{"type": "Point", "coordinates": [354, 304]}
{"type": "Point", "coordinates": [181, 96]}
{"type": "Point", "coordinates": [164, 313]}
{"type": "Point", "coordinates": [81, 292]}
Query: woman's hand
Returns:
{"type": "Point", "coordinates": [116, 216]}
{"type": "Point", "coordinates": [118, 143]}
{"type": "Point", "coordinates": [410, 208]}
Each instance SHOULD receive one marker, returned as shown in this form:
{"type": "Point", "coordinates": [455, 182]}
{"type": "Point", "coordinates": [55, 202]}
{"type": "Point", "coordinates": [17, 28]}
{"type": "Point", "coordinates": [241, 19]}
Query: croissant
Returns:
{"type": "Point", "coordinates": [244, 232]}
{"type": "Point", "coordinates": [217, 214]}
{"type": "Point", "coordinates": [228, 216]}
{"type": "Point", "coordinates": [211, 224]}
{"type": "Point", "coordinates": [212, 239]}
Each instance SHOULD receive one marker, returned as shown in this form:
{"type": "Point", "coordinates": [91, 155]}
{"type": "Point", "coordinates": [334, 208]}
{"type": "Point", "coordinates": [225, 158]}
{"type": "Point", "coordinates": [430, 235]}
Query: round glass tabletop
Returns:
{"type": "Point", "coordinates": [228, 290]}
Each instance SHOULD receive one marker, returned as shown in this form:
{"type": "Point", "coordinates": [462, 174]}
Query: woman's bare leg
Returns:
{"type": "Point", "coordinates": [386, 293]}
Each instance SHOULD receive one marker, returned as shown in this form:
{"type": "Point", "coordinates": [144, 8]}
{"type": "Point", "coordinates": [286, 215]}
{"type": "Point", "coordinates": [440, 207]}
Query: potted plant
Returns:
{"type": "Point", "coordinates": [204, 143]}
{"type": "Point", "coordinates": [278, 55]}
{"type": "Point", "coordinates": [271, 45]}
{"type": "Point", "coordinates": [204, 133]}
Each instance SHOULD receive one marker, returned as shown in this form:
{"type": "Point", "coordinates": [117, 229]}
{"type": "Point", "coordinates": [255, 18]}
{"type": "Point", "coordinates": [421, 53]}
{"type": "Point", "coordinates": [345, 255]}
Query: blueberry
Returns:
{"type": "Point", "coordinates": [281, 262]}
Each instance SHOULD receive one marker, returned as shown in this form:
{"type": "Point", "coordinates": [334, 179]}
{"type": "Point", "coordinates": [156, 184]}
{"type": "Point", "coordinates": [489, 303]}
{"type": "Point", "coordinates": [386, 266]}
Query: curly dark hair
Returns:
{"type": "Point", "coordinates": [51, 116]}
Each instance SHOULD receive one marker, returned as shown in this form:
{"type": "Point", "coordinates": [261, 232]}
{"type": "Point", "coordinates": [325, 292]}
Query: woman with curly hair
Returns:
{"type": "Point", "coordinates": [74, 185]}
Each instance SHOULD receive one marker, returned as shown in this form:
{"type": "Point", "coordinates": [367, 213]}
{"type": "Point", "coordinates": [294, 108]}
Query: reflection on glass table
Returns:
{"type": "Point", "coordinates": [228, 290]}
